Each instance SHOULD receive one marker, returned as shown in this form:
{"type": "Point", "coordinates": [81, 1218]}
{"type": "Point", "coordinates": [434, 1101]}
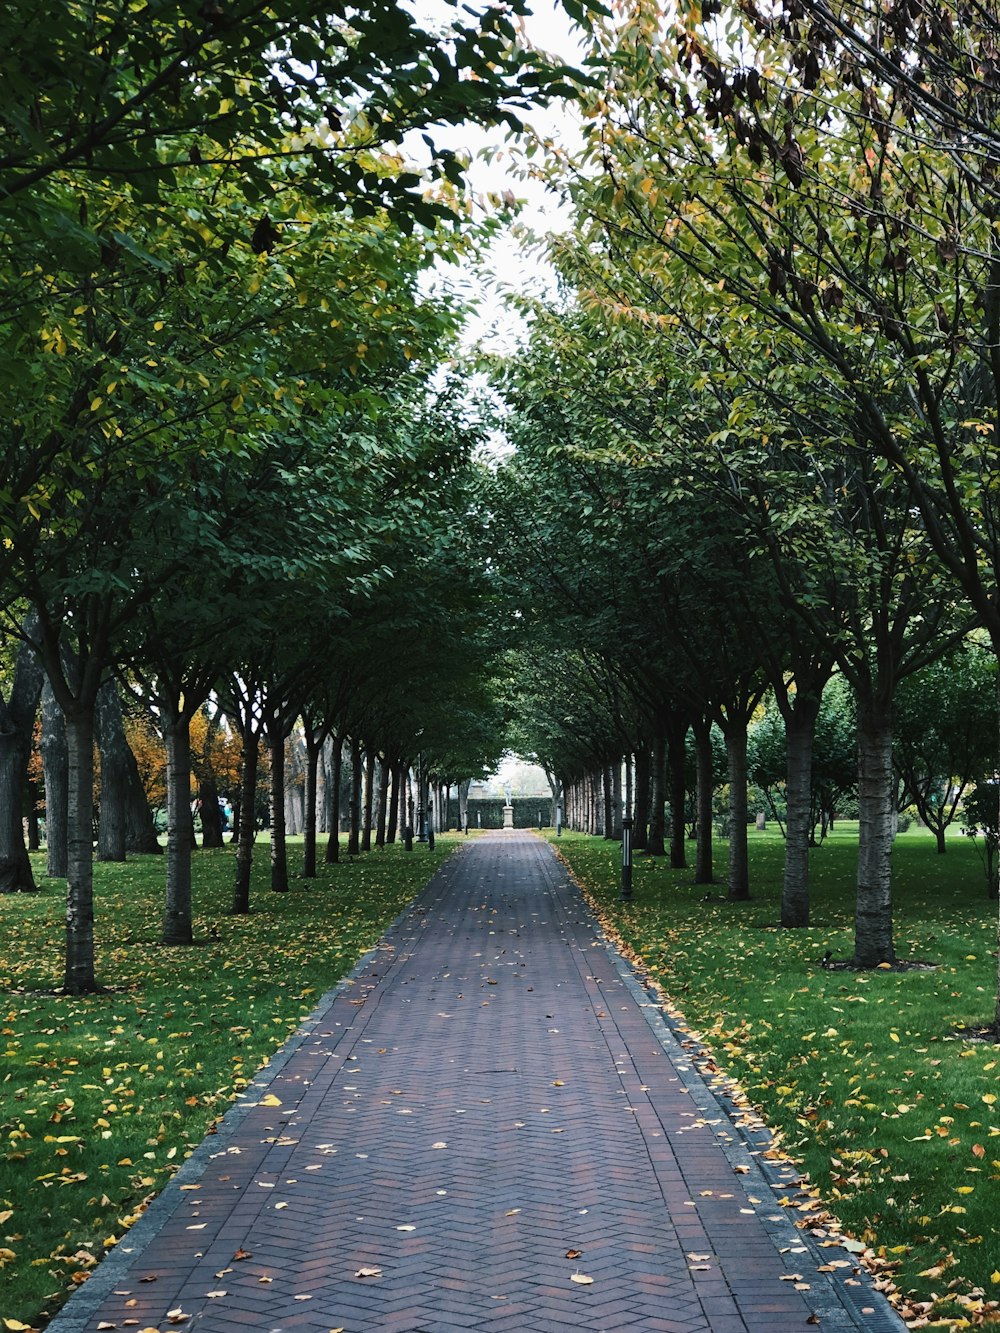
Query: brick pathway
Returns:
{"type": "Point", "coordinates": [491, 1093]}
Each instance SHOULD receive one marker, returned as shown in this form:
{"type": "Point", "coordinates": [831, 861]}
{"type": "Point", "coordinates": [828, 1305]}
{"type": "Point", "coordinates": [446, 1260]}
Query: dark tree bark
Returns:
{"type": "Point", "coordinates": [703, 870]}
{"type": "Point", "coordinates": [55, 766]}
{"type": "Point", "coordinates": [314, 743]}
{"type": "Point", "coordinates": [677, 730]}
{"type": "Point", "coordinates": [336, 777]}
{"type": "Point", "coordinates": [392, 825]}
{"type": "Point", "coordinates": [178, 926]}
{"type": "Point", "coordinates": [126, 821]}
{"type": "Point", "coordinates": [247, 823]}
{"type": "Point", "coordinates": [617, 809]}
{"type": "Point", "coordinates": [354, 833]}
{"type": "Point", "coordinates": [383, 801]}
{"type": "Point", "coordinates": [366, 828]}
{"type": "Point", "coordinates": [640, 834]}
{"type": "Point", "coordinates": [211, 814]}
{"type": "Point", "coordinates": [276, 736]}
{"type": "Point", "coordinates": [656, 841]}
{"type": "Point", "coordinates": [208, 788]}
{"type": "Point", "coordinates": [79, 977]}
{"type": "Point", "coordinates": [800, 729]}
{"type": "Point", "coordinates": [17, 720]}
{"type": "Point", "coordinates": [873, 932]}
{"type": "Point", "coordinates": [607, 811]}
{"type": "Point", "coordinates": [115, 773]}
{"type": "Point", "coordinates": [736, 755]}
{"type": "Point", "coordinates": [34, 819]}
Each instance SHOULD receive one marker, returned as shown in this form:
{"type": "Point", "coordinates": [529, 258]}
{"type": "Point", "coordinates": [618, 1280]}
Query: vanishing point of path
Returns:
{"type": "Point", "coordinates": [490, 1109]}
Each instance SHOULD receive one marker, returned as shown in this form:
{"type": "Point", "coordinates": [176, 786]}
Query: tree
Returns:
{"type": "Point", "coordinates": [946, 724]}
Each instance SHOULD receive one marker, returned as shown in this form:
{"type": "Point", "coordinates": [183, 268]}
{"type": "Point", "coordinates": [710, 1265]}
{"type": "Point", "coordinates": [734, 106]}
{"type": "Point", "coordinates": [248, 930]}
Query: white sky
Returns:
{"type": "Point", "coordinates": [494, 171]}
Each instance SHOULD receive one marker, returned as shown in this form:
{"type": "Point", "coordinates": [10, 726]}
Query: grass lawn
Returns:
{"type": "Point", "coordinates": [895, 1121]}
{"type": "Point", "coordinates": [102, 1097]}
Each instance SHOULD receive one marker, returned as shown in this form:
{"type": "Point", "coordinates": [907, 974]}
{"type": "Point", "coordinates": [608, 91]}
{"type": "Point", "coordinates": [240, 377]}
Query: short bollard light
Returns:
{"type": "Point", "coordinates": [408, 838]}
{"type": "Point", "coordinates": [421, 824]}
{"type": "Point", "coordinates": [626, 860]}
{"type": "Point", "coordinates": [558, 821]}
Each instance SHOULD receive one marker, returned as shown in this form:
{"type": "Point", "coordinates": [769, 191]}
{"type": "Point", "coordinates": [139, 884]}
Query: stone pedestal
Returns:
{"type": "Point", "coordinates": [508, 816]}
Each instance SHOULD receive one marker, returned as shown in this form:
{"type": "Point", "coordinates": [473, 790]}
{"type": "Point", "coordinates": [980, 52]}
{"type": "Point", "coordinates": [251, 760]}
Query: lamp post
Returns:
{"type": "Point", "coordinates": [626, 896]}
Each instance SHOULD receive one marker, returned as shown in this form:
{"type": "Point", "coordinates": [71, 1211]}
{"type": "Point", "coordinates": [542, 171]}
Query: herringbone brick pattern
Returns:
{"type": "Point", "coordinates": [484, 1115]}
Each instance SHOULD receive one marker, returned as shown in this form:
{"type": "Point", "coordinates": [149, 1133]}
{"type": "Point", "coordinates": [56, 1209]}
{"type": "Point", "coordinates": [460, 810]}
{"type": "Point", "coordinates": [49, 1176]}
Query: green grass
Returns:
{"type": "Point", "coordinates": [894, 1120]}
{"type": "Point", "coordinates": [103, 1096]}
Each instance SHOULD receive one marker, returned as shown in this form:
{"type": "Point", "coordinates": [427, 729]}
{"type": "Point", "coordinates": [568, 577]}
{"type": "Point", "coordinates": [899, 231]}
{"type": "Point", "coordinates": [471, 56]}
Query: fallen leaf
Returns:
{"type": "Point", "coordinates": [408, 1227]}
{"type": "Point", "coordinates": [573, 1254]}
{"type": "Point", "coordinates": [280, 1205]}
{"type": "Point", "coordinates": [582, 1278]}
{"type": "Point", "coordinates": [242, 1254]}
{"type": "Point", "coordinates": [270, 1100]}
{"type": "Point", "coordinates": [368, 1272]}
{"type": "Point", "coordinates": [512, 1212]}
{"type": "Point", "coordinates": [303, 1298]}
{"type": "Point", "coordinates": [441, 1144]}
{"type": "Point", "coordinates": [214, 1295]}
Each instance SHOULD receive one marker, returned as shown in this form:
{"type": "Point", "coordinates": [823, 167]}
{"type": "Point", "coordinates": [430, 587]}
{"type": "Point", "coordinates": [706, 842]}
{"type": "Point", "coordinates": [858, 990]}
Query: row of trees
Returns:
{"type": "Point", "coordinates": [763, 418]}
{"type": "Point", "coordinates": [231, 465]}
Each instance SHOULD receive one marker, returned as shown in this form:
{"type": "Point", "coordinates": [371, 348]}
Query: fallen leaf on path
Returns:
{"type": "Point", "coordinates": [699, 1258]}
{"type": "Point", "coordinates": [573, 1254]}
{"type": "Point", "coordinates": [512, 1212]}
{"type": "Point", "coordinates": [368, 1272]}
{"type": "Point", "coordinates": [215, 1295]}
{"type": "Point", "coordinates": [439, 1145]}
{"type": "Point", "coordinates": [242, 1254]}
{"type": "Point", "coordinates": [582, 1278]}
{"type": "Point", "coordinates": [270, 1100]}
{"type": "Point", "coordinates": [407, 1227]}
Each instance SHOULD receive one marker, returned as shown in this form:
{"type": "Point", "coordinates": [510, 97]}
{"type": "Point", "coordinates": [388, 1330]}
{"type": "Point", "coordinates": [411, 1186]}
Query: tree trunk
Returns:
{"type": "Point", "coordinates": [703, 869]}
{"type": "Point", "coordinates": [337, 766]}
{"type": "Point", "coordinates": [873, 935]}
{"type": "Point", "coordinates": [55, 766]}
{"type": "Point", "coordinates": [383, 801]}
{"type": "Point", "coordinates": [313, 744]}
{"type": "Point", "coordinates": [800, 729]}
{"type": "Point", "coordinates": [177, 922]}
{"type": "Point", "coordinates": [608, 811]}
{"type": "Point", "coordinates": [115, 774]}
{"type": "Point", "coordinates": [392, 824]}
{"type": "Point", "coordinates": [276, 801]}
{"type": "Point", "coordinates": [366, 828]}
{"type": "Point", "coordinates": [34, 822]}
{"type": "Point", "coordinates": [247, 823]}
{"type": "Point", "coordinates": [617, 810]}
{"type": "Point", "coordinates": [655, 843]}
{"type": "Point", "coordinates": [17, 719]}
{"type": "Point", "coordinates": [79, 976]}
{"type": "Point", "coordinates": [640, 833]}
{"type": "Point", "coordinates": [676, 759]}
{"type": "Point", "coordinates": [463, 803]}
{"type": "Point", "coordinates": [211, 813]}
{"type": "Point", "coordinates": [354, 805]}
{"type": "Point", "coordinates": [736, 755]}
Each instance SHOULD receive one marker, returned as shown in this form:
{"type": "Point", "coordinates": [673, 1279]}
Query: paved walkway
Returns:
{"type": "Point", "coordinates": [489, 1128]}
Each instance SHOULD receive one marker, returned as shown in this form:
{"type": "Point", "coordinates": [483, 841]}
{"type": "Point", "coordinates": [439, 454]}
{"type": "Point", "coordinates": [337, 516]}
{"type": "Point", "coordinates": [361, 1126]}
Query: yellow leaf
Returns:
{"type": "Point", "coordinates": [270, 1100]}
{"type": "Point", "coordinates": [16, 1326]}
{"type": "Point", "coordinates": [893, 1036]}
{"type": "Point", "coordinates": [989, 1098]}
{"type": "Point", "coordinates": [582, 1278]}
{"type": "Point", "coordinates": [995, 1275]}
{"type": "Point", "coordinates": [96, 404]}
